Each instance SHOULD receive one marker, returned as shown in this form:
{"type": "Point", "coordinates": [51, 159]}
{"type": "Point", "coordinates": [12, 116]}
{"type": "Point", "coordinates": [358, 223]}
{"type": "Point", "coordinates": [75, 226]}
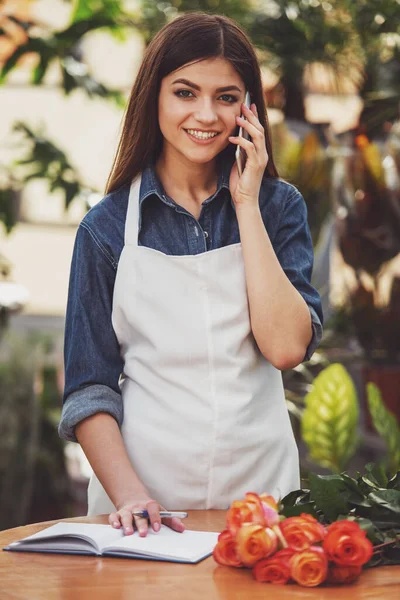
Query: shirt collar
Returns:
{"type": "Point", "coordinates": [151, 184]}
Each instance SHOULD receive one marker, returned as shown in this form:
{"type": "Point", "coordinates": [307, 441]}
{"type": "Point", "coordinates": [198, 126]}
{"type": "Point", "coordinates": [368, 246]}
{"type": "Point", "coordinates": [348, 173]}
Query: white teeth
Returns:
{"type": "Point", "coordinates": [202, 135]}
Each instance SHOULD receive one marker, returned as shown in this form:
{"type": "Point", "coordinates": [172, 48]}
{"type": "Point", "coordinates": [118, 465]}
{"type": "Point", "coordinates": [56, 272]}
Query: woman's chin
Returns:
{"type": "Point", "coordinates": [200, 158]}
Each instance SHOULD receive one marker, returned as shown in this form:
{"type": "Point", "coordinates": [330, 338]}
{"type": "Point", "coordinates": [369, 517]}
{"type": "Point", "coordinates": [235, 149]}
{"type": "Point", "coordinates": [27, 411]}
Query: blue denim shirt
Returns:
{"type": "Point", "coordinates": [93, 362]}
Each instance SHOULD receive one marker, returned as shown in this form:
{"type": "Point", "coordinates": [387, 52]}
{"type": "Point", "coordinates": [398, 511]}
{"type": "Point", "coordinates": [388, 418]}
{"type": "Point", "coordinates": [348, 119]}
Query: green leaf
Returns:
{"type": "Point", "coordinates": [297, 510]}
{"type": "Point", "coordinates": [377, 474]}
{"type": "Point", "coordinates": [12, 60]}
{"type": "Point", "coordinates": [327, 493]}
{"type": "Point", "coordinates": [373, 533]}
{"type": "Point", "coordinates": [37, 45]}
{"type": "Point", "coordinates": [40, 70]}
{"type": "Point", "coordinates": [386, 425]}
{"type": "Point", "coordinates": [85, 9]}
{"type": "Point", "coordinates": [351, 484]}
{"type": "Point", "coordinates": [295, 497]}
{"type": "Point", "coordinates": [394, 482]}
{"type": "Point", "coordinates": [389, 499]}
{"type": "Point", "coordinates": [330, 418]}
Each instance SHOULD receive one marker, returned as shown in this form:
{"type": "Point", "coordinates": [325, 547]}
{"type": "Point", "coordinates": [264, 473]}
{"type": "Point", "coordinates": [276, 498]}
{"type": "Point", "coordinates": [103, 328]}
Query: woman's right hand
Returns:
{"type": "Point", "coordinates": [141, 501]}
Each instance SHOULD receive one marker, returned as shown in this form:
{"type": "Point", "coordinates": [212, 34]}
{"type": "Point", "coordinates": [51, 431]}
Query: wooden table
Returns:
{"type": "Point", "coordinates": [29, 576]}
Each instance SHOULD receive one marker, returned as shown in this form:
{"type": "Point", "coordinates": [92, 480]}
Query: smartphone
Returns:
{"type": "Point", "coordinates": [240, 152]}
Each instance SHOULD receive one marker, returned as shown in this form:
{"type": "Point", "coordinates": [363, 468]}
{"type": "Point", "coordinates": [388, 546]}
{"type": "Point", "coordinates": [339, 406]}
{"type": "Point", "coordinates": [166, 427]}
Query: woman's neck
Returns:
{"type": "Point", "coordinates": [183, 179]}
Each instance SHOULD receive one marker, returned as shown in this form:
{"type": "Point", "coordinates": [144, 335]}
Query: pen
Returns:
{"type": "Point", "coordinates": [163, 513]}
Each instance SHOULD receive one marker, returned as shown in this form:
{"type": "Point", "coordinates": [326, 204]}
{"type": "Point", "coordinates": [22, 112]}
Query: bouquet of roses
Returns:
{"type": "Point", "coordinates": [300, 549]}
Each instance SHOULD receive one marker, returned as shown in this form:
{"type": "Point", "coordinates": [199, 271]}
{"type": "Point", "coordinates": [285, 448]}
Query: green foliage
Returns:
{"type": "Point", "coordinates": [85, 9]}
{"type": "Point", "coordinates": [45, 160]}
{"type": "Point", "coordinates": [386, 425]}
{"type": "Point", "coordinates": [7, 208]}
{"type": "Point", "coordinates": [370, 499]}
{"type": "Point", "coordinates": [64, 47]}
{"type": "Point", "coordinates": [154, 15]}
{"type": "Point", "coordinates": [34, 483]}
{"type": "Point", "coordinates": [298, 33]}
{"type": "Point", "coordinates": [306, 164]}
{"type": "Point", "coordinates": [327, 493]}
{"type": "Point", "coordinates": [330, 418]}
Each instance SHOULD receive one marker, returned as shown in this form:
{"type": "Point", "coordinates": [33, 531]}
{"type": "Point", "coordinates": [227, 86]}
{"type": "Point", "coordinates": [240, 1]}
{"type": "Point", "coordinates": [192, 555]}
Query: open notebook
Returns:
{"type": "Point", "coordinates": [104, 540]}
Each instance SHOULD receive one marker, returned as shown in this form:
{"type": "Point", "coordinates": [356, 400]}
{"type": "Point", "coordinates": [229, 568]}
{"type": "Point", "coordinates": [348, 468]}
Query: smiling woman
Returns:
{"type": "Point", "coordinates": [189, 292]}
{"type": "Point", "coordinates": [176, 55]}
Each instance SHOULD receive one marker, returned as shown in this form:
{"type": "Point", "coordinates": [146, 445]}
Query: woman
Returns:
{"type": "Point", "coordinates": [189, 292]}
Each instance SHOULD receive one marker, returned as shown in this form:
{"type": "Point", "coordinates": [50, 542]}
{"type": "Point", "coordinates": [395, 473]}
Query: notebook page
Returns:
{"type": "Point", "coordinates": [189, 545]}
{"type": "Point", "coordinates": [100, 534]}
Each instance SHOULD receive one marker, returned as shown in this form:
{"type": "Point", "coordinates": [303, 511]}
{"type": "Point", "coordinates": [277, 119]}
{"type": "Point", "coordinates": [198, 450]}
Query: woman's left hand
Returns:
{"type": "Point", "coordinates": [245, 189]}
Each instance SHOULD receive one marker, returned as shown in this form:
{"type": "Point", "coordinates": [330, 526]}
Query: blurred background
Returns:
{"type": "Point", "coordinates": [331, 73]}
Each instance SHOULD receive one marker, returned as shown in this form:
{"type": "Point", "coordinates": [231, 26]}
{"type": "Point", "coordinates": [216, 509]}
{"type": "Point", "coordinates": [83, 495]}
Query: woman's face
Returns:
{"type": "Point", "coordinates": [197, 106]}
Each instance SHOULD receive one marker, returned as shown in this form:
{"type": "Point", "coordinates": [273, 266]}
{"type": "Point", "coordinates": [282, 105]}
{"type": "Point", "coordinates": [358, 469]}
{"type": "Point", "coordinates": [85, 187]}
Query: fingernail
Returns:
{"type": "Point", "coordinates": [128, 529]}
{"type": "Point", "coordinates": [142, 532]}
{"type": "Point", "coordinates": [115, 524]}
{"type": "Point", "coordinates": [156, 526]}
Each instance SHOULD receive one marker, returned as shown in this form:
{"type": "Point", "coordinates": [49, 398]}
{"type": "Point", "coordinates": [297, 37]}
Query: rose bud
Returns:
{"type": "Point", "coordinates": [225, 551]}
{"type": "Point", "coordinates": [255, 542]}
{"type": "Point", "coordinates": [346, 544]}
{"type": "Point", "coordinates": [338, 574]}
{"type": "Point", "coordinates": [309, 568]}
{"type": "Point", "coordinates": [275, 569]}
{"type": "Point", "coordinates": [302, 532]}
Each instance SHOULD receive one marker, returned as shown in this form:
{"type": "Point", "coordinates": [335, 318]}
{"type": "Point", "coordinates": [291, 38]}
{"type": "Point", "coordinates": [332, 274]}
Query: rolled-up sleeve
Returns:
{"type": "Point", "coordinates": [92, 359]}
{"type": "Point", "coordinates": [294, 249]}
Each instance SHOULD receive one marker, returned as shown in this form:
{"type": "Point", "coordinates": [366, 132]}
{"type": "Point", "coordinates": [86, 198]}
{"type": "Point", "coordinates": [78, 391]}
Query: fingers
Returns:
{"type": "Point", "coordinates": [256, 134]}
{"type": "Point", "coordinates": [174, 523]}
{"type": "Point", "coordinates": [125, 518]}
{"type": "Point", "coordinates": [256, 148]}
{"type": "Point", "coordinates": [252, 117]}
{"type": "Point", "coordinates": [154, 514]}
{"type": "Point", "coordinates": [248, 147]}
{"type": "Point", "coordinates": [142, 526]}
{"type": "Point", "coordinates": [122, 518]}
{"type": "Point", "coordinates": [114, 521]}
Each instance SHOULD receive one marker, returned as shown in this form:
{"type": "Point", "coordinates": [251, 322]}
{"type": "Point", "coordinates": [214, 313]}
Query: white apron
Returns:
{"type": "Point", "coordinates": [205, 419]}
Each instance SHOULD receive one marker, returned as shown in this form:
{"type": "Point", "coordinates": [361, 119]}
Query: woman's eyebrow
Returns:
{"type": "Point", "coordinates": [228, 88]}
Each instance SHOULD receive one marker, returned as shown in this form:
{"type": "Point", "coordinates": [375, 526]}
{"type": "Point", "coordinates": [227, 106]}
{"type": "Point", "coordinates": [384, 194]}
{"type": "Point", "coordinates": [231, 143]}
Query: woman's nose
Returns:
{"type": "Point", "coordinates": [206, 113]}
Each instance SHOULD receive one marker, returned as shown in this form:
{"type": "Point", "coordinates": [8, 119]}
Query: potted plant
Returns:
{"type": "Point", "coordinates": [366, 199]}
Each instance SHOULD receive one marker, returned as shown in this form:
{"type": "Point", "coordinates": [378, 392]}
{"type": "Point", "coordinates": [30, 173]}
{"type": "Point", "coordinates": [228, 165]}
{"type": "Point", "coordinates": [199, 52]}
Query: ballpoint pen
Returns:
{"type": "Point", "coordinates": [163, 513]}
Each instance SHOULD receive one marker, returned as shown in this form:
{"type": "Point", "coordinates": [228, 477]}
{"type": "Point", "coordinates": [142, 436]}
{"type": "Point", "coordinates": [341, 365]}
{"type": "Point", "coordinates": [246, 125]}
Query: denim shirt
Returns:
{"type": "Point", "coordinates": [93, 363]}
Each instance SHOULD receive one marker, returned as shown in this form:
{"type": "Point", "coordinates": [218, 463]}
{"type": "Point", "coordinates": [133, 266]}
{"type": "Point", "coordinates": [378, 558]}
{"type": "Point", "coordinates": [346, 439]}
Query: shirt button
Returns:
{"type": "Point", "coordinates": [205, 234]}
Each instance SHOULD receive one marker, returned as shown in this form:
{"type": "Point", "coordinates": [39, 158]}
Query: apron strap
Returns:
{"type": "Point", "coordinates": [132, 214]}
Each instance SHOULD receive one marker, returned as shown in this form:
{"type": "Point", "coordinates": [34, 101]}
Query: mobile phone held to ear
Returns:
{"type": "Point", "coordinates": [240, 152]}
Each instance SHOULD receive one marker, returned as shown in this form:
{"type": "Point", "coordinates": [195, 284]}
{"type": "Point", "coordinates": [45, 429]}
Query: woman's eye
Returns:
{"type": "Point", "coordinates": [228, 98]}
{"type": "Point", "coordinates": [183, 94]}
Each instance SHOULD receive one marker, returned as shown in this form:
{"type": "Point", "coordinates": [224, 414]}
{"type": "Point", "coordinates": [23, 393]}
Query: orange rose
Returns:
{"type": "Point", "coordinates": [255, 542]}
{"type": "Point", "coordinates": [309, 568]}
{"type": "Point", "coordinates": [225, 551]}
{"type": "Point", "coordinates": [346, 544]}
{"type": "Point", "coordinates": [275, 569]}
{"type": "Point", "coordinates": [338, 574]}
{"type": "Point", "coordinates": [249, 510]}
{"type": "Point", "coordinates": [302, 532]}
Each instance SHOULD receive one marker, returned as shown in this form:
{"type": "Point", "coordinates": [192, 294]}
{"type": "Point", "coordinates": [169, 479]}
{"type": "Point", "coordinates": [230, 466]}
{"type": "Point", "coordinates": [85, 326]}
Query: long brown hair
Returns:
{"type": "Point", "coordinates": [187, 39]}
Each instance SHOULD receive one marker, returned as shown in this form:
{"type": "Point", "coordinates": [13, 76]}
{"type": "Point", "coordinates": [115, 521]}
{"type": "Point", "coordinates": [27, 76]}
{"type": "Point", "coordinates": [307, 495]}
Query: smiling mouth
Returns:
{"type": "Point", "coordinates": [202, 135]}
